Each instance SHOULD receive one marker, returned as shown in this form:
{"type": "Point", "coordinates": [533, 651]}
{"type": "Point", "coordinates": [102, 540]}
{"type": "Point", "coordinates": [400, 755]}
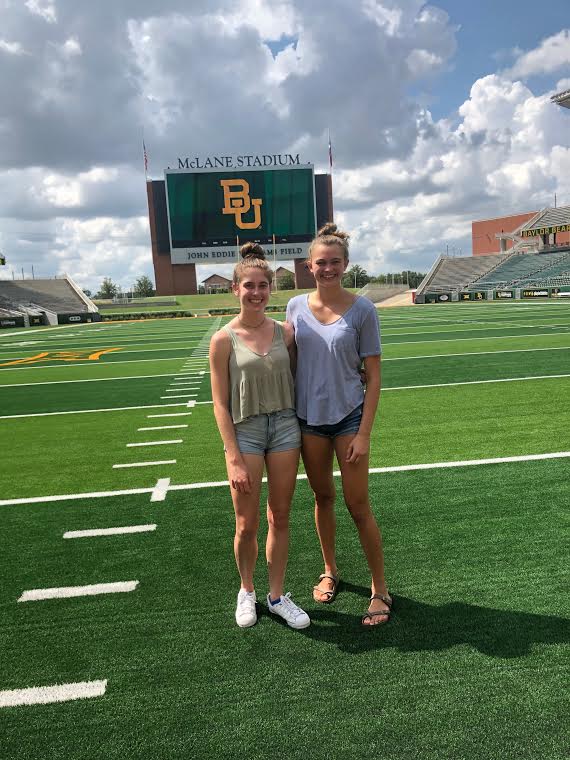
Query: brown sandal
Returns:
{"type": "Point", "coordinates": [384, 613]}
{"type": "Point", "coordinates": [330, 593]}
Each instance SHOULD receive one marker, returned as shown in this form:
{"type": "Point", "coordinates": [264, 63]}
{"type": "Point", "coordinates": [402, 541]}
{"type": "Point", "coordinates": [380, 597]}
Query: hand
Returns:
{"type": "Point", "coordinates": [358, 447]}
{"type": "Point", "coordinates": [239, 477]}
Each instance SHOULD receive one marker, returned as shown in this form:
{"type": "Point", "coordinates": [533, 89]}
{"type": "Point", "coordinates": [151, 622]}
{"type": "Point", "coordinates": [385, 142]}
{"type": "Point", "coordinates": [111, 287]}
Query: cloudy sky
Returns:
{"type": "Point", "coordinates": [439, 114]}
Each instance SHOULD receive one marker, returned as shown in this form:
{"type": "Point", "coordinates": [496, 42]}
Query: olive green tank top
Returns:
{"type": "Point", "coordinates": [260, 384]}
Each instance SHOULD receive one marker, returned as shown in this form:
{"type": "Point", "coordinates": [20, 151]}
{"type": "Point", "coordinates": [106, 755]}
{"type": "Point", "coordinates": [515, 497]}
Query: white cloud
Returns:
{"type": "Point", "coordinates": [44, 8]}
{"type": "Point", "coordinates": [13, 48]}
{"type": "Point", "coordinates": [201, 78]}
{"type": "Point", "coordinates": [552, 54]}
{"type": "Point", "coordinates": [71, 48]}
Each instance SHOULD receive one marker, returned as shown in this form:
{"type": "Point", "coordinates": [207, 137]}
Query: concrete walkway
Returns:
{"type": "Point", "coordinates": [402, 299]}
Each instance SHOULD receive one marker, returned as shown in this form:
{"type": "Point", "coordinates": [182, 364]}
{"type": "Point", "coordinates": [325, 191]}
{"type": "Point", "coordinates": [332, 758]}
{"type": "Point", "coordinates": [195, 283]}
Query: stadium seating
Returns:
{"type": "Point", "coordinates": [518, 268]}
{"type": "Point", "coordinates": [458, 273]}
{"type": "Point", "coordinates": [510, 270]}
{"type": "Point", "coordinates": [553, 274]}
{"type": "Point", "coordinates": [55, 295]}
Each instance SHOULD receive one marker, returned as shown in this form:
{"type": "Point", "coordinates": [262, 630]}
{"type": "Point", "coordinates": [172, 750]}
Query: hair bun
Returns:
{"type": "Point", "coordinates": [330, 228]}
{"type": "Point", "coordinates": [252, 251]}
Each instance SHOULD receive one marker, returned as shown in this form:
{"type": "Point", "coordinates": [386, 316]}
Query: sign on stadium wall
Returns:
{"type": "Point", "coordinates": [545, 230]}
{"type": "Point", "coordinates": [212, 213]}
{"type": "Point", "coordinates": [535, 293]}
{"type": "Point", "coordinates": [501, 294]}
{"type": "Point", "coordinates": [239, 162]}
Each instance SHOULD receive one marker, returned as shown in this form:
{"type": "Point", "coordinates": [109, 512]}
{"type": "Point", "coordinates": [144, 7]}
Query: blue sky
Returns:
{"type": "Point", "coordinates": [489, 32]}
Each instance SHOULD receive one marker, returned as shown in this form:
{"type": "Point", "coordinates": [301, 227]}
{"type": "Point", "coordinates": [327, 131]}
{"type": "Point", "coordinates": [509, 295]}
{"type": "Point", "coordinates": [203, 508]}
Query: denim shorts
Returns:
{"type": "Point", "coordinates": [269, 433]}
{"type": "Point", "coordinates": [346, 426]}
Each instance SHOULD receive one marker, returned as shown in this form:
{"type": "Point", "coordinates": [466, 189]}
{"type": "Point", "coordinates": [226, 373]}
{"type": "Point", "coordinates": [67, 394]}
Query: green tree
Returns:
{"type": "Point", "coordinates": [356, 276]}
{"type": "Point", "coordinates": [108, 289]}
{"type": "Point", "coordinates": [287, 281]}
{"type": "Point", "coordinates": [143, 287]}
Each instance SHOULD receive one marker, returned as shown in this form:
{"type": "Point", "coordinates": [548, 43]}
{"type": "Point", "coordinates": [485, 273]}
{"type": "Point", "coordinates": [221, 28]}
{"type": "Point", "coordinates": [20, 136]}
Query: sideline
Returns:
{"type": "Point", "coordinates": [301, 476]}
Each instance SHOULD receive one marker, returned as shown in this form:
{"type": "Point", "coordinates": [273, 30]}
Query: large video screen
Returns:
{"type": "Point", "coordinates": [211, 213]}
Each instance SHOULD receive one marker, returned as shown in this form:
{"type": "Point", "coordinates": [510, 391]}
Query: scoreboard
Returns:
{"type": "Point", "coordinates": [212, 213]}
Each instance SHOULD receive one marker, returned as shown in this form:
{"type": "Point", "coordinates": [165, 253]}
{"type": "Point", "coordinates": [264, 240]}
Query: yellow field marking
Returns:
{"type": "Point", "coordinates": [62, 356]}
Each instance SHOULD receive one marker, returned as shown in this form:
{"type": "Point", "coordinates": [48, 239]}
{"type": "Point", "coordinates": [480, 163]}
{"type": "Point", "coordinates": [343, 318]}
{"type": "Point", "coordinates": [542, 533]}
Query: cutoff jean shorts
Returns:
{"type": "Point", "coordinates": [346, 426]}
{"type": "Point", "coordinates": [269, 433]}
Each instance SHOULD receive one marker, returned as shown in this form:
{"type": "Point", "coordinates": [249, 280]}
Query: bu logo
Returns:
{"type": "Point", "coordinates": [238, 202]}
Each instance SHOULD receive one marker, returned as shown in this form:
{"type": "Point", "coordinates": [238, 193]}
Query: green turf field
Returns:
{"type": "Point", "coordinates": [469, 478]}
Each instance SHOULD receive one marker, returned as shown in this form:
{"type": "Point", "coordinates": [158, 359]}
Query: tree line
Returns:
{"type": "Point", "coordinates": [355, 277]}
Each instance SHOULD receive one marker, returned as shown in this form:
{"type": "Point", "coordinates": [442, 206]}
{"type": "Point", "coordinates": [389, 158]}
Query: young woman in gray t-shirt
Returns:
{"type": "Point", "coordinates": [335, 331]}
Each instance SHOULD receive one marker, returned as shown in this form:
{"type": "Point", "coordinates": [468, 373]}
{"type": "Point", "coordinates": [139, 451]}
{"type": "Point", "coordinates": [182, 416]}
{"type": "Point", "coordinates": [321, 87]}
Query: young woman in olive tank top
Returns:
{"type": "Point", "coordinates": [254, 406]}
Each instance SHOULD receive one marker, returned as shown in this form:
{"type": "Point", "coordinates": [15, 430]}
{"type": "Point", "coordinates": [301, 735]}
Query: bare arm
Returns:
{"type": "Point", "coordinates": [289, 336]}
{"type": "Point", "coordinates": [360, 444]}
{"type": "Point", "coordinates": [238, 474]}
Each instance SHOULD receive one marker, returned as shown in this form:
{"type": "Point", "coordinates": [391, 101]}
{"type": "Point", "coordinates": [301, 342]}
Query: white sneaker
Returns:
{"type": "Point", "coordinates": [294, 616]}
{"type": "Point", "coordinates": [246, 616]}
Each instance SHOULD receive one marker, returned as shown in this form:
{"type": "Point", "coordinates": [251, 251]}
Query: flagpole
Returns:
{"type": "Point", "coordinates": [145, 159]}
{"type": "Point", "coordinates": [275, 264]}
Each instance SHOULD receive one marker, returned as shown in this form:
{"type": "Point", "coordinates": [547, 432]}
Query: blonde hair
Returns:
{"type": "Point", "coordinates": [329, 234]}
{"type": "Point", "coordinates": [253, 257]}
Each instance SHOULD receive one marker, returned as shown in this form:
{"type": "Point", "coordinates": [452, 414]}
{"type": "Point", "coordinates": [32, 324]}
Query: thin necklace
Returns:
{"type": "Point", "coordinates": [253, 327]}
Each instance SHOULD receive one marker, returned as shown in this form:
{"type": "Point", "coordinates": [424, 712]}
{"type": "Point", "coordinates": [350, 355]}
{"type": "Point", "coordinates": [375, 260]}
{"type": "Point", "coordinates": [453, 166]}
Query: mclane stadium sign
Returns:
{"type": "Point", "coordinates": [545, 230]}
{"type": "Point", "coordinates": [239, 162]}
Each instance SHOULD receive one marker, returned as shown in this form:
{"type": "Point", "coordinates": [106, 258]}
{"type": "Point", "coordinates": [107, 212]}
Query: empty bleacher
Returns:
{"type": "Point", "coordinates": [451, 274]}
{"type": "Point", "coordinates": [44, 301]}
{"type": "Point", "coordinates": [54, 295]}
{"type": "Point", "coordinates": [553, 274]}
{"type": "Point", "coordinates": [518, 268]}
{"type": "Point", "coordinates": [498, 271]}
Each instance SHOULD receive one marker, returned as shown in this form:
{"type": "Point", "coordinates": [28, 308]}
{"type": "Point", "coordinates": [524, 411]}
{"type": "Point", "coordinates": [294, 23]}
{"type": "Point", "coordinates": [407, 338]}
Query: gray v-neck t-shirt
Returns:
{"type": "Point", "coordinates": [327, 383]}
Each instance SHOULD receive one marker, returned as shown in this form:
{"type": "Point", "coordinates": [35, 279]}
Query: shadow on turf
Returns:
{"type": "Point", "coordinates": [417, 627]}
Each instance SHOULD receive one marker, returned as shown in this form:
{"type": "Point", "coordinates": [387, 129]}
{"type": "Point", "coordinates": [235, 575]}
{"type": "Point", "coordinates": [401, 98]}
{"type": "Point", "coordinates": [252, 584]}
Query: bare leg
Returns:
{"type": "Point", "coordinates": [246, 507]}
{"type": "Point", "coordinates": [281, 475]}
{"type": "Point", "coordinates": [317, 454]}
{"type": "Point", "coordinates": [355, 489]}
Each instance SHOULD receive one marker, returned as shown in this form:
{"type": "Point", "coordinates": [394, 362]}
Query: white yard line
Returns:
{"type": "Point", "coordinates": [463, 339]}
{"type": "Point", "coordinates": [91, 532]}
{"type": "Point", "coordinates": [154, 443]}
{"type": "Point", "coordinates": [143, 464]}
{"type": "Point", "coordinates": [183, 395]}
{"type": "Point", "coordinates": [373, 470]}
{"type": "Point", "coordinates": [45, 695]}
{"type": "Point", "coordinates": [160, 490]}
{"type": "Point", "coordinates": [91, 380]}
{"type": "Point", "coordinates": [473, 353]}
{"type": "Point", "coordinates": [161, 427]}
{"type": "Point", "coordinates": [89, 411]}
{"type": "Point", "coordinates": [474, 382]}
{"type": "Point", "coordinates": [174, 414]}
{"type": "Point", "coordinates": [502, 326]}
{"type": "Point", "coordinates": [64, 592]}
